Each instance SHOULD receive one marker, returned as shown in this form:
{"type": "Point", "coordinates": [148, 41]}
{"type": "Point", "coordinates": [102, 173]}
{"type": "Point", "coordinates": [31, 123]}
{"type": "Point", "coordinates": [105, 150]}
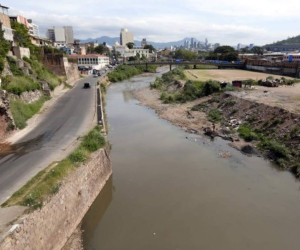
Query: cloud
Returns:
{"type": "Point", "coordinates": [247, 9]}
{"type": "Point", "coordinates": [226, 22]}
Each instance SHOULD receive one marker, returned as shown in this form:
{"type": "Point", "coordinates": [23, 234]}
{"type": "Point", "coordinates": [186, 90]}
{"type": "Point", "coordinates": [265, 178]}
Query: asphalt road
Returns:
{"type": "Point", "coordinates": [70, 117]}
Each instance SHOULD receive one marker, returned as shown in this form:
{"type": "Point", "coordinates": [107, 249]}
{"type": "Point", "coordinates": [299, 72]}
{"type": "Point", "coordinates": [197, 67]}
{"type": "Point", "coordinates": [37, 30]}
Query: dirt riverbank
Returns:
{"type": "Point", "coordinates": [279, 127]}
{"type": "Point", "coordinates": [178, 114]}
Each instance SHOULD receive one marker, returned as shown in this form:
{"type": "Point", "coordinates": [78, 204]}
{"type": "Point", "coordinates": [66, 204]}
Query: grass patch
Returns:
{"type": "Point", "coordinates": [47, 182]}
{"type": "Point", "coordinates": [43, 73]}
{"type": "Point", "coordinates": [13, 67]}
{"type": "Point", "coordinates": [214, 115]}
{"type": "Point", "coordinates": [68, 86]}
{"type": "Point", "coordinates": [22, 111]}
{"type": "Point", "coordinates": [19, 84]}
{"type": "Point", "coordinates": [246, 132]}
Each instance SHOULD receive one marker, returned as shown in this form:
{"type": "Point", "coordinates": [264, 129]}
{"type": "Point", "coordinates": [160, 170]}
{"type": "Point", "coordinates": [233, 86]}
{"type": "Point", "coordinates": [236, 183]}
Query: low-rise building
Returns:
{"type": "Point", "coordinates": [20, 19]}
{"type": "Point", "coordinates": [38, 41]}
{"type": "Point", "coordinates": [6, 26]}
{"type": "Point", "coordinates": [126, 52]}
{"type": "Point", "coordinates": [93, 61]}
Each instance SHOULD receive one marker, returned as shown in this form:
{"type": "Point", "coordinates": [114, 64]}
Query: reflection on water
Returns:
{"type": "Point", "coordinates": [97, 210]}
{"type": "Point", "coordinates": [175, 192]}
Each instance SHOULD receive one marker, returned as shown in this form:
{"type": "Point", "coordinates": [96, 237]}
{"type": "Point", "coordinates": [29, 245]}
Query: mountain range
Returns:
{"type": "Point", "coordinates": [111, 41]}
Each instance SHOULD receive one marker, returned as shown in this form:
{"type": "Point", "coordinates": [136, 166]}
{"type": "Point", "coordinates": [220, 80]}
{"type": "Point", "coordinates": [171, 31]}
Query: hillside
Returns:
{"type": "Point", "coordinates": [289, 40]}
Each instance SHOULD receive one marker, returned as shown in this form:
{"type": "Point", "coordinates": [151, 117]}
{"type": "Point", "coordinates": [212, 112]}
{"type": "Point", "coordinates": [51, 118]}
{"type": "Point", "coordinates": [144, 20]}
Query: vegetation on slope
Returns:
{"type": "Point", "coordinates": [22, 111]}
{"type": "Point", "coordinates": [48, 181]}
{"type": "Point", "coordinates": [172, 92]}
{"type": "Point", "coordinates": [289, 40]}
{"type": "Point", "coordinates": [4, 48]}
{"type": "Point", "coordinates": [125, 72]}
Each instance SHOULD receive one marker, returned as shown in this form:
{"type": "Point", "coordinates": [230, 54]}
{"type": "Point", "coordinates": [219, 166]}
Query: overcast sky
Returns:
{"type": "Point", "coordinates": [224, 21]}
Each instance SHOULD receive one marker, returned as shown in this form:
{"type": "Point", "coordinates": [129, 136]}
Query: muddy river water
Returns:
{"type": "Point", "coordinates": [171, 189]}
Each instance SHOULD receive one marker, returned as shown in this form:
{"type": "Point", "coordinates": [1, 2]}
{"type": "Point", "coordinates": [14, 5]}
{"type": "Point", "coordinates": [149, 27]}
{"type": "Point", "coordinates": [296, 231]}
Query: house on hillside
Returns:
{"type": "Point", "coordinates": [5, 21]}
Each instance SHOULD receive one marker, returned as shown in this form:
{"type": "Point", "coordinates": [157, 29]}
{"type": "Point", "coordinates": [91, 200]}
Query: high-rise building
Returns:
{"type": "Point", "coordinates": [188, 44]}
{"type": "Point", "coordinates": [216, 45]}
{"type": "Point", "coordinates": [50, 34]}
{"type": "Point", "coordinates": [251, 45]}
{"type": "Point", "coordinates": [69, 34]}
{"type": "Point", "coordinates": [33, 28]}
{"type": "Point", "coordinates": [144, 42]}
{"type": "Point", "coordinates": [126, 37]}
{"type": "Point", "coordinates": [206, 42]}
{"type": "Point", "coordinates": [61, 34]}
{"type": "Point", "coordinates": [195, 45]}
{"type": "Point", "coordinates": [192, 42]}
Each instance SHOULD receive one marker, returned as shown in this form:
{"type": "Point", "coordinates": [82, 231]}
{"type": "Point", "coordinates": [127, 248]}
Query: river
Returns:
{"type": "Point", "coordinates": [171, 189]}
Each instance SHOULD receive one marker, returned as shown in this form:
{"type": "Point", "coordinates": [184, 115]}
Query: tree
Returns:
{"type": "Point", "coordinates": [224, 49]}
{"type": "Point", "coordinates": [22, 39]}
{"type": "Point", "coordinates": [90, 50]}
{"type": "Point", "coordinates": [150, 47]}
{"type": "Point", "coordinates": [130, 45]}
{"type": "Point", "coordinates": [21, 36]}
{"type": "Point", "coordinates": [230, 56]}
{"type": "Point", "coordinates": [101, 49]}
{"type": "Point", "coordinates": [257, 50]}
{"type": "Point", "coordinates": [185, 54]}
{"type": "Point", "coordinates": [4, 48]}
{"type": "Point", "coordinates": [245, 50]}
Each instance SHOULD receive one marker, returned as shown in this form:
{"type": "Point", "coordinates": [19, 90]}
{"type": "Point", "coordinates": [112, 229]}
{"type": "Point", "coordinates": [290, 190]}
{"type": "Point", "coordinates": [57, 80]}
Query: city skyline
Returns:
{"type": "Point", "coordinates": [227, 23]}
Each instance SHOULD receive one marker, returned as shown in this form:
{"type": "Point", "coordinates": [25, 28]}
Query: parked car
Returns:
{"type": "Point", "coordinates": [86, 85]}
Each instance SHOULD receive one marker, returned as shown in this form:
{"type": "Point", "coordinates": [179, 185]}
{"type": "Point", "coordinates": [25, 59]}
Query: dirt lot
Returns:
{"type": "Point", "coordinates": [286, 97]}
{"type": "Point", "coordinates": [226, 75]}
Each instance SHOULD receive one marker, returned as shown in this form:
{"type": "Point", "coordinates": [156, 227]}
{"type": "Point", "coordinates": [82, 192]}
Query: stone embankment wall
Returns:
{"type": "Point", "coordinates": [60, 66]}
{"type": "Point", "coordinates": [52, 225]}
{"type": "Point", "coordinates": [6, 119]}
{"type": "Point", "coordinates": [28, 96]}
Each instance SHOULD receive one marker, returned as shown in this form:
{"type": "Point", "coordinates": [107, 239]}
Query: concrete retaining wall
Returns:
{"type": "Point", "coordinates": [51, 226]}
{"type": "Point", "coordinates": [20, 52]}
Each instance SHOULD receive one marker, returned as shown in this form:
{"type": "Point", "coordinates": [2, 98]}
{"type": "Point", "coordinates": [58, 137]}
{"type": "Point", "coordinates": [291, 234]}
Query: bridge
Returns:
{"type": "Point", "coordinates": [220, 65]}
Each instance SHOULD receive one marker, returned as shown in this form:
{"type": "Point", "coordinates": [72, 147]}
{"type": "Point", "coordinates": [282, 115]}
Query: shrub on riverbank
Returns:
{"type": "Point", "coordinates": [22, 111]}
{"type": "Point", "coordinates": [124, 72]}
{"type": "Point", "coordinates": [48, 181]}
{"type": "Point", "coordinates": [171, 85]}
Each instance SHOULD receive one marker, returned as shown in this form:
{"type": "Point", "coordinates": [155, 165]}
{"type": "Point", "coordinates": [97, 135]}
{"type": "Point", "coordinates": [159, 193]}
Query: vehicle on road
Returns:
{"type": "Point", "coordinates": [86, 85]}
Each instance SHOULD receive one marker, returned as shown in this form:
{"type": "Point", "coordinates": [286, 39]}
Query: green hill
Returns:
{"type": "Point", "coordinates": [289, 40]}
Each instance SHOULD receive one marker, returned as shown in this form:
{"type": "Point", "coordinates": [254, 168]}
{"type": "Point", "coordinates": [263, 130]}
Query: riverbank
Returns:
{"type": "Point", "coordinates": [266, 126]}
{"type": "Point", "coordinates": [180, 115]}
{"type": "Point", "coordinates": [169, 187]}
